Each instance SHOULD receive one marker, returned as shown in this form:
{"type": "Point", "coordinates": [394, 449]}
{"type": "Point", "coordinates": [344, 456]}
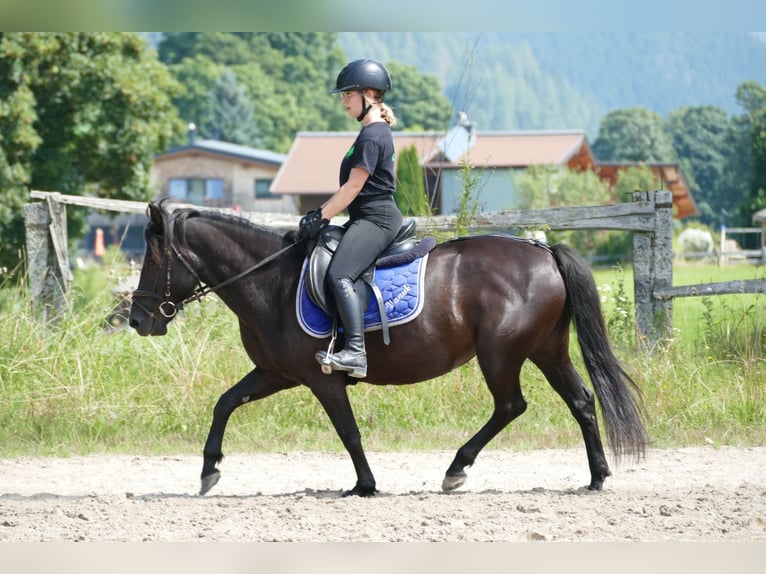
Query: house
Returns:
{"type": "Point", "coordinates": [221, 174]}
{"type": "Point", "coordinates": [310, 172]}
{"type": "Point", "coordinates": [203, 172]}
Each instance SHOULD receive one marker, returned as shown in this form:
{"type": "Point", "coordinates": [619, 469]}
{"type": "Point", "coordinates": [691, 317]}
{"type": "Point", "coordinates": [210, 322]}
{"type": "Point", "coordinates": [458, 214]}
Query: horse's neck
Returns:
{"type": "Point", "coordinates": [225, 250]}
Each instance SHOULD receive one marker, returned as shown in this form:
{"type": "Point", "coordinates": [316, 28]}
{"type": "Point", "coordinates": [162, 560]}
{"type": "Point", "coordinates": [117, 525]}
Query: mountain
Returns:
{"type": "Point", "coordinates": [507, 81]}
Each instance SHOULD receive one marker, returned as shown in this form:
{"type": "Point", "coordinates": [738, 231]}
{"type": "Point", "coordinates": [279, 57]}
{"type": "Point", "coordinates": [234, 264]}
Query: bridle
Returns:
{"type": "Point", "coordinates": [168, 308]}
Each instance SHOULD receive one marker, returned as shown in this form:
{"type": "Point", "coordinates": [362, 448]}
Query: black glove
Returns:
{"type": "Point", "coordinates": [311, 225]}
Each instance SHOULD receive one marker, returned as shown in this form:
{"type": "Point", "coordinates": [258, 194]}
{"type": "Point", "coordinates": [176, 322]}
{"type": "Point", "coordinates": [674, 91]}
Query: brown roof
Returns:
{"type": "Point", "coordinates": [312, 164]}
{"type": "Point", "coordinates": [522, 149]}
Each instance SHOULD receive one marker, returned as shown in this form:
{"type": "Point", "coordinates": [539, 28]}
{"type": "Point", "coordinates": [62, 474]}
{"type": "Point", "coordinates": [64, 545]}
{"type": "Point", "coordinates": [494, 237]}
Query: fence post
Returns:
{"type": "Point", "coordinates": [653, 270]}
{"type": "Point", "coordinates": [47, 259]}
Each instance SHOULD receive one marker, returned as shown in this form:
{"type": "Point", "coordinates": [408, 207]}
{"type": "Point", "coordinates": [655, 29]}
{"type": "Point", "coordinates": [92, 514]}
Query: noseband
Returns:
{"type": "Point", "coordinates": [168, 308]}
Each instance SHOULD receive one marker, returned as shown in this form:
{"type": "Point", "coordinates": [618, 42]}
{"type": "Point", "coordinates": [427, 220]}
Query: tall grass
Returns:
{"type": "Point", "coordinates": [704, 384]}
{"type": "Point", "coordinates": [75, 386]}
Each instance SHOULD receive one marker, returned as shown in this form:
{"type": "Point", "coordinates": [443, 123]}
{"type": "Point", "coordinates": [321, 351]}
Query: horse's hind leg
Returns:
{"type": "Point", "coordinates": [565, 380]}
{"type": "Point", "coordinates": [257, 384]}
{"type": "Point", "coordinates": [503, 383]}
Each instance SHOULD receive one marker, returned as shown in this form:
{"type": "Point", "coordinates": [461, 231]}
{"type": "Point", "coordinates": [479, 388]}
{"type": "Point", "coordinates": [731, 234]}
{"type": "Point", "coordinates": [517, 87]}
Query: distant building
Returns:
{"type": "Point", "coordinates": [310, 172]}
{"type": "Point", "coordinates": [221, 174]}
{"type": "Point", "coordinates": [204, 172]}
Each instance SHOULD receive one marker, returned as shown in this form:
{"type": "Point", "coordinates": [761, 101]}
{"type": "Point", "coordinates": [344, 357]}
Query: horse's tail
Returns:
{"type": "Point", "coordinates": [618, 394]}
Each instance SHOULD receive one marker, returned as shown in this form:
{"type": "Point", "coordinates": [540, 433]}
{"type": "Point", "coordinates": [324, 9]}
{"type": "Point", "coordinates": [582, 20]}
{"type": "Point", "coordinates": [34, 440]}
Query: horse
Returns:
{"type": "Point", "coordinates": [499, 298]}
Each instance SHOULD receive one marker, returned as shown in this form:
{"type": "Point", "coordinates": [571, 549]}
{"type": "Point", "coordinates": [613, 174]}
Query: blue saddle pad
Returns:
{"type": "Point", "coordinates": [402, 289]}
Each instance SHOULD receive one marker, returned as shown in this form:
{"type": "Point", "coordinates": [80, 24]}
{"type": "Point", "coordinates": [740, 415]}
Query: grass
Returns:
{"type": "Point", "coordinates": [75, 388]}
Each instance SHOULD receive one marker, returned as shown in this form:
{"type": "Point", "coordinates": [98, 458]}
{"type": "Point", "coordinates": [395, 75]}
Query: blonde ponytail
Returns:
{"type": "Point", "coordinates": [385, 110]}
{"type": "Point", "coordinates": [387, 114]}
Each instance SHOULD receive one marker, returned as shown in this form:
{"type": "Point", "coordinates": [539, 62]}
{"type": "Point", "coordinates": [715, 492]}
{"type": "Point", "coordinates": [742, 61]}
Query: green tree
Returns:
{"type": "Point", "coordinates": [634, 178]}
{"type": "Point", "coordinates": [96, 109]}
{"type": "Point", "coordinates": [231, 112]}
{"type": "Point", "coordinates": [752, 97]}
{"type": "Point", "coordinates": [543, 186]}
{"type": "Point", "coordinates": [410, 193]}
{"type": "Point", "coordinates": [634, 134]}
{"type": "Point", "coordinates": [285, 76]}
{"type": "Point", "coordinates": [198, 75]}
{"type": "Point", "coordinates": [417, 99]}
{"type": "Point", "coordinates": [699, 135]}
{"type": "Point", "coordinates": [18, 142]}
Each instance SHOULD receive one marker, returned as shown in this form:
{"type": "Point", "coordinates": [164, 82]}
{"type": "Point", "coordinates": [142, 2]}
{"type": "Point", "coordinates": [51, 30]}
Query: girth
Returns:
{"type": "Point", "coordinates": [321, 255]}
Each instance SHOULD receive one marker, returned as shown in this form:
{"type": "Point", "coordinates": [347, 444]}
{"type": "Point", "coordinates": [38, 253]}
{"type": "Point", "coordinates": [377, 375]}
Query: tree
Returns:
{"type": "Point", "coordinates": [752, 96]}
{"type": "Point", "coordinates": [285, 76]}
{"type": "Point", "coordinates": [18, 142]}
{"type": "Point", "coordinates": [198, 75]}
{"type": "Point", "coordinates": [699, 135]}
{"type": "Point", "coordinates": [95, 109]}
{"type": "Point", "coordinates": [634, 134]}
{"type": "Point", "coordinates": [635, 178]}
{"type": "Point", "coordinates": [543, 186]}
{"type": "Point", "coordinates": [231, 112]}
{"type": "Point", "coordinates": [417, 100]}
{"type": "Point", "coordinates": [410, 196]}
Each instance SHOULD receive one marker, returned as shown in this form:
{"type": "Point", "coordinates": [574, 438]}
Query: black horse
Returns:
{"type": "Point", "coordinates": [498, 298]}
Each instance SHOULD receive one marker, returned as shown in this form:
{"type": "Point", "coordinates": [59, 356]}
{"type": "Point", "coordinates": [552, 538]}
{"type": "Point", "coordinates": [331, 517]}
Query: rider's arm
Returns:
{"type": "Point", "coordinates": [342, 198]}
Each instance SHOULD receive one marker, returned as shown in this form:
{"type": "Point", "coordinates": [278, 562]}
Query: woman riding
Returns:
{"type": "Point", "coordinates": [367, 186]}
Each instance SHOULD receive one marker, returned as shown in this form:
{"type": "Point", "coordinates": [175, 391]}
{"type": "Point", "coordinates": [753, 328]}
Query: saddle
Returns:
{"type": "Point", "coordinates": [401, 249]}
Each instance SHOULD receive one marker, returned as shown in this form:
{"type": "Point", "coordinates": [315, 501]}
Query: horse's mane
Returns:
{"type": "Point", "coordinates": [174, 221]}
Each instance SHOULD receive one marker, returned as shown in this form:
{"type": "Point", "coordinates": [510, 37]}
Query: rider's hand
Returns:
{"type": "Point", "coordinates": [311, 225]}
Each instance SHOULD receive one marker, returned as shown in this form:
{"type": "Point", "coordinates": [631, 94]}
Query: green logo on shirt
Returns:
{"type": "Point", "coordinates": [350, 152]}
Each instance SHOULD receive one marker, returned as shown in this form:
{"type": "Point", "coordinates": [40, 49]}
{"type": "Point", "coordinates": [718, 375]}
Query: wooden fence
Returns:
{"type": "Point", "coordinates": [725, 253]}
{"type": "Point", "coordinates": [648, 217]}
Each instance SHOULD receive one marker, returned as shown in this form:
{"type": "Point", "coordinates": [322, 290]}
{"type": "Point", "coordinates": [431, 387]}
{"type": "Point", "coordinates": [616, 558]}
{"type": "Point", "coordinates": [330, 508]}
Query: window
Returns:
{"type": "Point", "coordinates": [262, 189]}
{"type": "Point", "coordinates": [197, 191]}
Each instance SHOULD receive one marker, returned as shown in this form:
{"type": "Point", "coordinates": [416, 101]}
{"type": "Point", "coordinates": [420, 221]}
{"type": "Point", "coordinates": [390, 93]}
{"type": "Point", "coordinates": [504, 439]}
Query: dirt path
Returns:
{"type": "Point", "coordinates": [690, 494]}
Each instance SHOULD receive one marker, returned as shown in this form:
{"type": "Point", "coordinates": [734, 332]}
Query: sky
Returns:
{"type": "Point", "coordinates": [392, 15]}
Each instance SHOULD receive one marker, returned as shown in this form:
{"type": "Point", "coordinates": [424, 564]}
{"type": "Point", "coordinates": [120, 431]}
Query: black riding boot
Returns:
{"type": "Point", "coordinates": [351, 305]}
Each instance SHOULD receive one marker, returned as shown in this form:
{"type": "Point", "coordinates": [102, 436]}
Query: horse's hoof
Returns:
{"type": "Point", "coordinates": [361, 491]}
{"type": "Point", "coordinates": [597, 480]}
{"type": "Point", "coordinates": [209, 482]}
{"type": "Point", "coordinates": [451, 482]}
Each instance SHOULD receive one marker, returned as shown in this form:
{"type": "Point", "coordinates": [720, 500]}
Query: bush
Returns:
{"type": "Point", "coordinates": [693, 242]}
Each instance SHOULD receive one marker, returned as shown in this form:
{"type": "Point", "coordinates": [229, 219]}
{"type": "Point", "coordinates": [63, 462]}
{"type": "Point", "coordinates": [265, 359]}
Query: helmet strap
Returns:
{"type": "Point", "coordinates": [365, 107]}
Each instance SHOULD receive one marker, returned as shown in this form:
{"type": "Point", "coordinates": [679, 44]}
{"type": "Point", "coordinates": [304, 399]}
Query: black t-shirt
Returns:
{"type": "Point", "coordinates": [373, 151]}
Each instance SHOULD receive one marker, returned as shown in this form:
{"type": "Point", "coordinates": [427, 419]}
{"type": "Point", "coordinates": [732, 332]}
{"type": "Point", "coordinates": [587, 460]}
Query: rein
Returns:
{"type": "Point", "coordinates": [168, 309]}
{"type": "Point", "coordinates": [203, 290]}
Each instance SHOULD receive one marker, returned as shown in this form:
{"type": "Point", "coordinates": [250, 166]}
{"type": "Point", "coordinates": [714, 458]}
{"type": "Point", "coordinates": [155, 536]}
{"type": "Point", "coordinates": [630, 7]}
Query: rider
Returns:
{"type": "Point", "coordinates": [367, 186]}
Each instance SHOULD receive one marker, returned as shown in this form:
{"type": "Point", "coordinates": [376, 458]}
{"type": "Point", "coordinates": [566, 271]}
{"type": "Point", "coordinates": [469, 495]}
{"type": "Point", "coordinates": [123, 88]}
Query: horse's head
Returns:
{"type": "Point", "coordinates": [166, 280]}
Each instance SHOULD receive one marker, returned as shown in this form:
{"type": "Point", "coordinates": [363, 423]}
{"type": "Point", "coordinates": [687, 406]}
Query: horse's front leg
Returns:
{"type": "Point", "coordinates": [257, 384]}
{"type": "Point", "coordinates": [332, 394]}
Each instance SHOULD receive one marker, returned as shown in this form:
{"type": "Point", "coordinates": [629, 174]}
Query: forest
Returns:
{"type": "Point", "coordinates": [85, 113]}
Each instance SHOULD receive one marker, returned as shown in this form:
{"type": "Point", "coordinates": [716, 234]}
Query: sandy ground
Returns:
{"type": "Point", "coordinates": [690, 494]}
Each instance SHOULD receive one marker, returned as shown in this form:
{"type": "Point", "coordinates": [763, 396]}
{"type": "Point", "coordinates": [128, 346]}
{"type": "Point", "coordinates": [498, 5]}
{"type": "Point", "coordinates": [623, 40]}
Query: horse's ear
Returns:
{"type": "Point", "coordinates": [154, 211]}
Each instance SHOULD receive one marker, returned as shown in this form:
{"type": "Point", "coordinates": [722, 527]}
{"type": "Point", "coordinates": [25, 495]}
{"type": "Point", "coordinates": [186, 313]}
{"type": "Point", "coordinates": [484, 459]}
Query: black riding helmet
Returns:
{"type": "Point", "coordinates": [360, 74]}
